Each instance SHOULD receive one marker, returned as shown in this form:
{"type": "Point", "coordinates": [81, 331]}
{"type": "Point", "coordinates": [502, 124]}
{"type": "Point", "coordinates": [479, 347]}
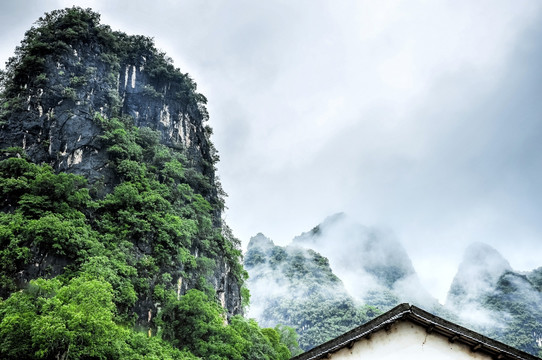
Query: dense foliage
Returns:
{"type": "Point", "coordinates": [123, 270]}
{"type": "Point", "coordinates": [196, 324]}
{"type": "Point", "coordinates": [52, 319]}
{"type": "Point", "coordinates": [77, 320]}
{"type": "Point", "coordinates": [89, 308]}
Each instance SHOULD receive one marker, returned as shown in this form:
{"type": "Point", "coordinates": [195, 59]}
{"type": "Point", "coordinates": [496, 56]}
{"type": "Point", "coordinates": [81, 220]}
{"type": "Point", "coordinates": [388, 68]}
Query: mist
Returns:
{"type": "Point", "coordinates": [367, 259]}
{"type": "Point", "coordinates": [294, 286]}
{"type": "Point", "coordinates": [278, 278]}
{"type": "Point", "coordinates": [476, 278]}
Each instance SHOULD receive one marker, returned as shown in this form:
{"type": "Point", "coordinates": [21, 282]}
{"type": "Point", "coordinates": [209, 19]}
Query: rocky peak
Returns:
{"type": "Point", "coordinates": [478, 274]}
{"type": "Point", "coordinates": [260, 241]}
{"type": "Point", "coordinates": [71, 69]}
{"type": "Point", "coordinates": [370, 253]}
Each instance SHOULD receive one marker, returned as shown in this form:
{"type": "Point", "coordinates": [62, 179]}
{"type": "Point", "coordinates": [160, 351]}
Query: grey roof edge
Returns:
{"type": "Point", "coordinates": [431, 323]}
{"type": "Point", "coordinates": [472, 338]}
{"type": "Point", "coordinates": [357, 333]}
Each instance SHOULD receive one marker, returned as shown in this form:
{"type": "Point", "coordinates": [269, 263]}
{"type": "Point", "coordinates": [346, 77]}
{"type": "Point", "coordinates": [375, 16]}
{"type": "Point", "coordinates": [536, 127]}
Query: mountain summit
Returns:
{"type": "Point", "coordinates": [488, 295]}
{"type": "Point", "coordinates": [70, 70]}
{"type": "Point", "coordinates": [372, 263]}
{"type": "Point", "coordinates": [478, 274]}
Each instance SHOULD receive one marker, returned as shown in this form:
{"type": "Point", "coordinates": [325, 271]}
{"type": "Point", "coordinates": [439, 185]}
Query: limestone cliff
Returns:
{"type": "Point", "coordinates": [59, 79]}
{"type": "Point", "coordinates": [70, 76]}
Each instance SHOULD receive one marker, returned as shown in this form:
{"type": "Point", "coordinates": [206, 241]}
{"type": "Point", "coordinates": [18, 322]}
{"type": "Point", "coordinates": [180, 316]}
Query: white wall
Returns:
{"type": "Point", "coordinates": [407, 341]}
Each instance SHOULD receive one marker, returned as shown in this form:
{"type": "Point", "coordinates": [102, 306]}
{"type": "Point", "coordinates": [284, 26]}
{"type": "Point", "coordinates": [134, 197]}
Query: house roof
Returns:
{"type": "Point", "coordinates": [432, 324]}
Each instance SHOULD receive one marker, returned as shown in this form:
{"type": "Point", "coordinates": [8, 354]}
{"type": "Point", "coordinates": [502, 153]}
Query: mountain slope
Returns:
{"type": "Point", "coordinates": [296, 287]}
{"type": "Point", "coordinates": [488, 295]}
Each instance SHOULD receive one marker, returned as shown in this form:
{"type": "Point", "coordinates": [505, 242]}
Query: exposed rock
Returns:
{"type": "Point", "coordinates": [52, 103]}
{"type": "Point", "coordinates": [57, 125]}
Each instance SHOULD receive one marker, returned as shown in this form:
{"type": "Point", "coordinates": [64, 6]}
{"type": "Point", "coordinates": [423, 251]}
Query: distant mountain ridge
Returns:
{"type": "Point", "coordinates": [295, 286]}
{"type": "Point", "coordinates": [377, 273]}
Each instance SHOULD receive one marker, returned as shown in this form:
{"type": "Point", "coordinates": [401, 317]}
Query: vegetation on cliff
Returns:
{"type": "Point", "coordinates": [492, 298]}
{"type": "Point", "coordinates": [132, 262]}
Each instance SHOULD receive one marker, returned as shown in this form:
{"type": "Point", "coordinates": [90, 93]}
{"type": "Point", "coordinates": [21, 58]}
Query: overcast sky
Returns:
{"type": "Point", "coordinates": [422, 117]}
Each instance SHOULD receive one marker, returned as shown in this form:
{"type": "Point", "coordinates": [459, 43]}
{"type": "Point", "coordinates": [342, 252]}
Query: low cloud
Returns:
{"type": "Point", "coordinates": [368, 260]}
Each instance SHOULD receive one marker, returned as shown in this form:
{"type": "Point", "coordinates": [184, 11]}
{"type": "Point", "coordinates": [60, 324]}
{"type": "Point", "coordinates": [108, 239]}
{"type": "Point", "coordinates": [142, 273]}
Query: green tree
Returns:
{"type": "Point", "coordinates": [288, 337]}
{"type": "Point", "coordinates": [261, 343]}
{"type": "Point", "coordinates": [196, 324]}
{"type": "Point", "coordinates": [50, 320]}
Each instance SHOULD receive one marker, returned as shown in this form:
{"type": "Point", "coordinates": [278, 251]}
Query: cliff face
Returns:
{"type": "Point", "coordinates": [70, 76]}
{"type": "Point", "coordinates": [57, 88]}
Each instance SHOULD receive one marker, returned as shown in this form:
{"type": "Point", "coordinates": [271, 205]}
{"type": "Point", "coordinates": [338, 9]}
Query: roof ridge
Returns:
{"type": "Point", "coordinates": [446, 328]}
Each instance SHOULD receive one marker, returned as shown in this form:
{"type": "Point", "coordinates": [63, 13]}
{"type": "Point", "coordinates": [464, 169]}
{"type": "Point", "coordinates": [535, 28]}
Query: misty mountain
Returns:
{"type": "Point", "coordinates": [373, 265]}
{"type": "Point", "coordinates": [369, 267]}
{"type": "Point", "coordinates": [295, 286]}
{"type": "Point", "coordinates": [330, 279]}
{"type": "Point", "coordinates": [489, 296]}
{"type": "Point", "coordinates": [476, 278]}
